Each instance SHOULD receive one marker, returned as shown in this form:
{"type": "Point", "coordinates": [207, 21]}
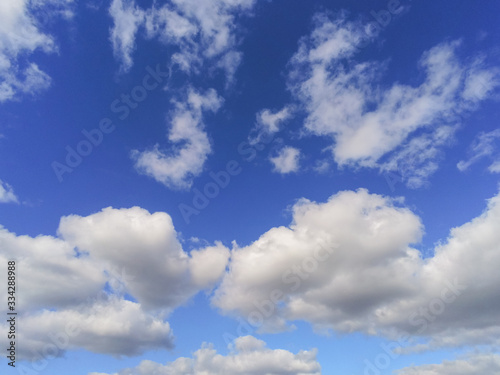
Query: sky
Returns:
{"type": "Point", "coordinates": [250, 187]}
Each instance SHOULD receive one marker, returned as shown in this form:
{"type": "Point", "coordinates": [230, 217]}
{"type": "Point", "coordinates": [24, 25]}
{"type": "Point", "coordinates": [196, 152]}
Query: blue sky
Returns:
{"type": "Point", "coordinates": [251, 187]}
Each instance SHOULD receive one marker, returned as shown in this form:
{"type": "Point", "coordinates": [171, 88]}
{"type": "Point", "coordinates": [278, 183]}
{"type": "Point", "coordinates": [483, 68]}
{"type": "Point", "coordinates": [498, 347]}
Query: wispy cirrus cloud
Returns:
{"type": "Point", "coordinates": [484, 146]}
{"type": "Point", "coordinates": [418, 158]}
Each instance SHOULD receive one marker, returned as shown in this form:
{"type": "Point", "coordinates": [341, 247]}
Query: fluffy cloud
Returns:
{"type": "Point", "coordinates": [7, 193]}
{"type": "Point", "coordinates": [348, 265]}
{"type": "Point", "coordinates": [20, 37]}
{"type": "Point", "coordinates": [483, 146]}
{"type": "Point", "coordinates": [178, 170]}
{"type": "Point", "coordinates": [160, 273]}
{"type": "Point", "coordinates": [110, 326]}
{"type": "Point", "coordinates": [112, 276]}
{"type": "Point", "coordinates": [250, 357]}
{"type": "Point", "coordinates": [325, 264]}
{"type": "Point", "coordinates": [200, 31]}
{"type": "Point", "coordinates": [343, 99]}
{"type": "Point", "coordinates": [471, 256]}
{"type": "Point", "coordinates": [287, 160]}
{"type": "Point", "coordinates": [52, 277]}
{"type": "Point", "coordinates": [471, 365]}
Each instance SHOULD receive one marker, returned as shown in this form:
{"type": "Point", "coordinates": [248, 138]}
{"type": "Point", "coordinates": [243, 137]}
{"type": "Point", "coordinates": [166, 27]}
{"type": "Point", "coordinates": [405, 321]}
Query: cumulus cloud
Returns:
{"type": "Point", "coordinates": [20, 37]}
{"type": "Point", "coordinates": [109, 326]}
{"type": "Point", "coordinates": [483, 146]}
{"type": "Point", "coordinates": [249, 357]}
{"type": "Point", "coordinates": [348, 264]}
{"type": "Point", "coordinates": [7, 194]}
{"type": "Point", "coordinates": [176, 170]}
{"type": "Point", "coordinates": [160, 273]}
{"type": "Point", "coordinates": [200, 31]}
{"type": "Point", "coordinates": [287, 160]}
{"type": "Point", "coordinates": [52, 277]}
{"type": "Point", "coordinates": [471, 365]}
{"type": "Point", "coordinates": [113, 276]}
{"type": "Point", "coordinates": [344, 243]}
{"type": "Point", "coordinates": [343, 99]}
{"type": "Point", "coordinates": [470, 256]}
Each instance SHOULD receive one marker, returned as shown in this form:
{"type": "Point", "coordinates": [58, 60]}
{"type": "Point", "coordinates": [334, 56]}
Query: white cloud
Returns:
{"type": "Point", "coordinates": [479, 82]}
{"type": "Point", "coordinates": [287, 160]}
{"type": "Point", "coordinates": [415, 160]}
{"type": "Point", "coordinates": [495, 167]}
{"type": "Point", "coordinates": [47, 10]}
{"type": "Point", "coordinates": [348, 265]}
{"type": "Point", "coordinates": [177, 169]}
{"type": "Point", "coordinates": [125, 252]}
{"type": "Point", "coordinates": [347, 243]}
{"type": "Point", "coordinates": [127, 19]}
{"type": "Point", "coordinates": [268, 123]}
{"type": "Point", "coordinates": [52, 277]}
{"type": "Point", "coordinates": [201, 31]}
{"type": "Point", "coordinates": [470, 255]}
{"type": "Point", "coordinates": [146, 245]}
{"type": "Point", "coordinates": [322, 166]}
{"type": "Point", "coordinates": [343, 99]}
{"type": "Point", "coordinates": [249, 357]}
{"type": "Point", "coordinates": [31, 81]}
{"type": "Point", "coordinates": [470, 365]}
{"type": "Point", "coordinates": [7, 194]}
{"type": "Point", "coordinates": [20, 37]}
{"type": "Point", "coordinates": [483, 146]}
{"type": "Point", "coordinates": [109, 326]}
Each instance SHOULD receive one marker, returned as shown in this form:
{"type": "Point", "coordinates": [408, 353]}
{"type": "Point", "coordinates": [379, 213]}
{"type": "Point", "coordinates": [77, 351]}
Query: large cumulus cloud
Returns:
{"type": "Point", "coordinates": [106, 283]}
{"type": "Point", "coordinates": [349, 265]}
